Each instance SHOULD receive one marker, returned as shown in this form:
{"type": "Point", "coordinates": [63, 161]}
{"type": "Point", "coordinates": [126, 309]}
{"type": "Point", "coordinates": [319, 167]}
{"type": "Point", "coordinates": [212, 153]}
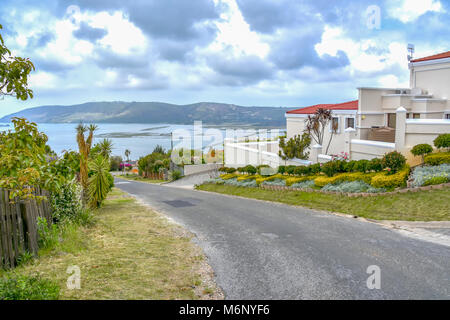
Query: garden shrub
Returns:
{"type": "Point", "coordinates": [436, 180]}
{"type": "Point", "coordinates": [442, 141]}
{"type": "Point", "coordinates": [293, 180]}
{"type": "Point", "coordinates": [362, 166]}
{"type": "Point", "coordinates": [315, 168]}
{"type": "Point", "coordinates": [376, 164]}
{"type": "Point", "coordinates": [248, 177]}
{"type": "Point", "coordinates": [421, 149]}
{"type": "Point", "coordinates": [350, 166]}
{"type": "Point", "coordinates": [390, 181]}
{"type": "Point", "coordinates": [28, 288]}
{"type": "Point", "coordinates": [276, 182]}
{"type": "Point", "coordinates": [331, 168]}
{"type": "Point", "coordinates": [357, 186]}
{"type": "Point", "coordinates": [290, 170]}
{"type": "Point", "coordinates": [323, 181]}
{"type": "Point", "coordinates": [436, 159]}
{"type": "Point", "coordinates": [421, 175]}
{"type": "Point", "coordinates": [270, 178]}
{"type": "Point", "coordinates": [301, 170]}
{"type": "Point", "coordinates": [282, 169]}
{"type": "Point", "coordinates": [394, 161]}
{"type": "Point", "coordinates": [308, 184]}
{"type": "Point", "coordinates": [228, 176]}
{"type": "Point", "coordinates": [66, 202]}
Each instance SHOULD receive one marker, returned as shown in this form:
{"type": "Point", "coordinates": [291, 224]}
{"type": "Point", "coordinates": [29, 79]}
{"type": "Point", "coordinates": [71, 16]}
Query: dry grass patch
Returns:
{"type": "Point", "coordinates": [131, 252]}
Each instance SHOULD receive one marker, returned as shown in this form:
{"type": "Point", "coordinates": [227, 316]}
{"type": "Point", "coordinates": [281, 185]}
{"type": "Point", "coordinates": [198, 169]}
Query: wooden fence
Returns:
{"type": "Point", "coordinates": [155, 176]}
{"type": "Point", "coordinates": [18, 226]}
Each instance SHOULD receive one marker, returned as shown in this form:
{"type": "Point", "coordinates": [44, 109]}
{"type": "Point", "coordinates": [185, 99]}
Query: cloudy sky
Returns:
{"type": "Point", "coordinates": [249, 52]}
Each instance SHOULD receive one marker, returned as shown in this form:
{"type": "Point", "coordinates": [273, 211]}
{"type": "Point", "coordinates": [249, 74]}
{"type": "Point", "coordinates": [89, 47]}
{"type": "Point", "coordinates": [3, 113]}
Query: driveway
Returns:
{"type": "Point", "coordinates": [262, 250]}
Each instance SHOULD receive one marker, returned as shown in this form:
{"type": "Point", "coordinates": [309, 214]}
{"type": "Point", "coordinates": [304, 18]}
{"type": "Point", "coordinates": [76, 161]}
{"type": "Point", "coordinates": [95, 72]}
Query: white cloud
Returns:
{"type": "Point", "coordinates": [235, 32]}
{"type": "Point", "coordinates": [409, 10]}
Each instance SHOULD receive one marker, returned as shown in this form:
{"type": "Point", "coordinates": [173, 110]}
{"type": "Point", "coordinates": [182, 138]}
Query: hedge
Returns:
{"type": "Point", "coordinates": [290, 181]}
{"type": "Point", "coordinates": [436, 159]}
{"type": "Point", "coordinates": [383, 180]}
{"type": "Point", "coordinates": [355, 176]}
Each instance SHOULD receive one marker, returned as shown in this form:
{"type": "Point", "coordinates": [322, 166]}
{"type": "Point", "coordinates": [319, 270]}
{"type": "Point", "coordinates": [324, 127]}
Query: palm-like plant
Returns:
{"type": "Point", "coordinates": [84, 146]}
{"type": "Point", "coordinates": [99, 184]}
{"type": "Point", "coordinates": [127, 154]}
{"type": "Point", "coordinates": [105, 148]}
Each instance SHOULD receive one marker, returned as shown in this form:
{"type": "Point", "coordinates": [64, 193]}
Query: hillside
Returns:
{"type": "Point", "coordinates": [154, 112]}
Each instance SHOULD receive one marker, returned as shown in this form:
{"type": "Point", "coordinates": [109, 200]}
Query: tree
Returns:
{"type": "Point", "coordinates": [14, 72]}
{"type": "Point", "coordinates": [103, 148]}
{"type": "Point", "coordinates": [295, 147]}
{"type": "Point", "coordinates": [442, 141]}
{"type": "Point", "coordinates": [422, 150]}
{"type": "Point", "coordinates": [316, 125]}
{"type": "Point", "coordinates": [84, 146]}
{"type": "Point", "coordinates": [127, 154]}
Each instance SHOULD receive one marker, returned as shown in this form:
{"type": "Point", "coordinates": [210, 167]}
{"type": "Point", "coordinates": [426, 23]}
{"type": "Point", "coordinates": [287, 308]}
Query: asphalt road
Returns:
{"type": "Point", "coordinates": [262, 250]}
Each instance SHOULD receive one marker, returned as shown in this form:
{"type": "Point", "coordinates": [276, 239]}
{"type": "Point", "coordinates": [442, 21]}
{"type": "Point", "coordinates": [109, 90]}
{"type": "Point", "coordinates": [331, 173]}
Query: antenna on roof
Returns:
{"type": "Point", "coordinates": [411, 50]}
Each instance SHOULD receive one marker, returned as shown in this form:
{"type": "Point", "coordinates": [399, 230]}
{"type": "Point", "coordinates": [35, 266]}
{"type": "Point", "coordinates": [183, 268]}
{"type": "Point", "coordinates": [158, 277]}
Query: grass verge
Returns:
{"type": "Point", "coordinates": [130, 252]}
{"type": "Point", "coordinates": [418, 206]}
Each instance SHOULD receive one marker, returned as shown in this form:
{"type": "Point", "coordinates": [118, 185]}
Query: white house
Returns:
{"type": "Point", "coordinates": [382, 119]}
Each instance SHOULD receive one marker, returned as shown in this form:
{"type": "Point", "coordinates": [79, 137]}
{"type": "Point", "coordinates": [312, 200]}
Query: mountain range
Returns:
{"type": "Point", "coordinates": [155, 112]}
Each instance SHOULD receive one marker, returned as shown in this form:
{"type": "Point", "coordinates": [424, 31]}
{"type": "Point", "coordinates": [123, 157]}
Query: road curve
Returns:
{"type": "Point", "coordinates": [262, 250]}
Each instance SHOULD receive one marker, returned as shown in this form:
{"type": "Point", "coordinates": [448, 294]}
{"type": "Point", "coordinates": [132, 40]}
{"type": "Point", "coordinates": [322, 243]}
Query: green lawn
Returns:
{"type": "Point", "coordinates": [412, 206]}
{"type": "Point", "coordinates": [131, 252]}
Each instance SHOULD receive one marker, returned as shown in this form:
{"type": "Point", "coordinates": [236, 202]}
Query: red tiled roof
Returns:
{"type": "Point", "coordinates": [351, 105]}
{"type": "Point", "coordinates": [434, 57]}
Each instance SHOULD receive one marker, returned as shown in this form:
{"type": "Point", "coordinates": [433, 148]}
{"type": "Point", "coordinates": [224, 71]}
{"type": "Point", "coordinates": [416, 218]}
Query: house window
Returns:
{"type": "Point", "coordinates": [334, 125]}
{"type": "Point", "coordinates": [447, 116]}
{"type": "Point", "coordinates": [416, 115]}
{"type": "Point", "coordinates": [408, 116]}
{"type": "Point", "coordinates": [349, 123]}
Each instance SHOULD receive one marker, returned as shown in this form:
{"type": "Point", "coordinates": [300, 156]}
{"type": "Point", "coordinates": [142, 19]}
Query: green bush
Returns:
{"type": "Point", "coordinates": [350, 166]}
{"type": "Point", "coordinates": [66, 202]}
{"type": "Point", "coordinates": [394, 161]}
{"type": "Point", "coordinates": [282, 169]}
{"type": "Point", "coordinates": [28, 288]}
{"type": "Point", "coordinates": [442, 141]}
{"type": "Point", "coordinates": [398, 179]}
{"type": "Point", "coordinates": [436, 180]}
{"type": "Point", "coordinates": [362, 166]}
{"type": "Point", "coordinates": [376, 164]}
{"type": "Point", "coordinates": [110, 181]}
{"type": "Point", "coordinates": [175, 175]}
{"type": "Point", "coordinates": [421, 149]}
{"type": "Point", "coordinates": [436, 159]}
{"type": "Point", "coordinates": [250, 169]}
{"type": "Point", "coordinates": [290, 170]}
{"type": "Point", "coordinates": [301, 170]}
{"type": "Point", "coordinates": [315, 168]}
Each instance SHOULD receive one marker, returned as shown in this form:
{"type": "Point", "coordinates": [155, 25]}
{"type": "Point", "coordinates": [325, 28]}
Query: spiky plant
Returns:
{"type": "Point", "coordinates": [99, 184]}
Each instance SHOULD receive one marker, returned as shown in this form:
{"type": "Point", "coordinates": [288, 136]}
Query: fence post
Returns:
{"type": "Point", "coordinates": [348, 141]}
{"type": "Point", "coordinates": [314, 153]}
{"type": "Point", "coordinates": [400, 129]}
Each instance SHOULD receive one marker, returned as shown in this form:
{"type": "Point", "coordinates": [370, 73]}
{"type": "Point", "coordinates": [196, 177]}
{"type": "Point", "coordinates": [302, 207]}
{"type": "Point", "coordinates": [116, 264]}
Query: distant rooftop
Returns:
{"type": "Point", "coordinates": [350, 105]}
{"type": "Point", "coordinates": [434, 57]}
